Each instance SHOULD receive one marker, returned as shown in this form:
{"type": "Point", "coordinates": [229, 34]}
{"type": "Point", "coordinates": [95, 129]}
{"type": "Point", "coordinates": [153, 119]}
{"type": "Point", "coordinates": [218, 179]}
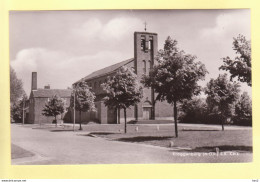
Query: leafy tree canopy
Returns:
{"type": "Point", "coordinates": [240, 66]}
{"type": "Point", "coordinates": [123, 89]}
{"type": "Point", "coordinates": [84, 98]}
{"type": "Point", "coordinates": [221, 92]}
{"type": "Point", "coordinates": [53, 107]}
{"type": "Point", "coordinates": [16, 87]}
{"type": "Point", "coordinates": [243, 107]}
{"type": "Point", "coordinates": [17, 110]}
{"type": "Point", "coordinates": [176, 75]}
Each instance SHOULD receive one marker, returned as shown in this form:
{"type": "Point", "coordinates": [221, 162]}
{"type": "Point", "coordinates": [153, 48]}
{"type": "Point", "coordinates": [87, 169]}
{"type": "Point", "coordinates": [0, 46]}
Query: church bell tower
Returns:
{"type": "Point", "coordinates": [145, 49]}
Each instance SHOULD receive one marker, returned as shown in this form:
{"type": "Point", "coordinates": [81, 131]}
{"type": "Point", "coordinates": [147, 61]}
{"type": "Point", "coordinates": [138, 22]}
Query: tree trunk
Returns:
{"type": "Point", "coordinates": [80, 128]}
{"type": "Point", "coordinates": [118, 115]}
{"type": "Point", "coordinates": [222, 123]}
{"type": "Point", "coordinates": [55, 121]}
{"type": "Point", "coordinates": [175, 118]}
{"type": "Point", "coordinates": [125, 118]}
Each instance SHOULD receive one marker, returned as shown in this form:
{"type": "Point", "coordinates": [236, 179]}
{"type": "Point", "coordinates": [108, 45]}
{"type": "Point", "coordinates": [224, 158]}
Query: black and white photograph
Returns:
{"type": "Point", "coordinates": [130, 86]}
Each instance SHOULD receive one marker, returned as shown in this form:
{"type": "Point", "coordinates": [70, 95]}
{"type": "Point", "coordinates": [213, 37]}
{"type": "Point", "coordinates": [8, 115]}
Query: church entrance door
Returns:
{"type": "Point", "coordinates": [147, 110]}
{"type": "Point", "coordinates": [147, 113]}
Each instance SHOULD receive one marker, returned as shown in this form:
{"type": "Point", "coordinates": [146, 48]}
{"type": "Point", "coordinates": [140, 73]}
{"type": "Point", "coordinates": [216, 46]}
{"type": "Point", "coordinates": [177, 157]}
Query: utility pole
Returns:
{"type": "Point", "coordinates": [23, 110]}
{"type": "Point", "coordinates": [74, 111]}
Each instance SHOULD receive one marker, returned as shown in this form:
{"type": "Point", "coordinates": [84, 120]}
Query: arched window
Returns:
{"type": "Point", "coordinates": [95, 85]}
{"type": "Point", "coordinates": [149, 65]}
{"type": "Point", "coordinates": [144, 66]}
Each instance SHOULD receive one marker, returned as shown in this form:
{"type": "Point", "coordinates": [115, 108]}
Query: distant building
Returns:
{"type": "Point", "coordinates": [145, 49]}
{"type": "Point", "coordinates": [38, 98]}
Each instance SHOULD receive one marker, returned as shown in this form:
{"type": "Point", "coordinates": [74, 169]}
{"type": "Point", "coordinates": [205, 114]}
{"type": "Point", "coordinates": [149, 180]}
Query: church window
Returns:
{"type": "Point", "coordinates": [150, 45]}
{"type": "Point", "coordinates": [144, 68]}
{"type": "Point", "coordinates": [149, 65]}
{"type": "Point", "coordinates": [142, 44]}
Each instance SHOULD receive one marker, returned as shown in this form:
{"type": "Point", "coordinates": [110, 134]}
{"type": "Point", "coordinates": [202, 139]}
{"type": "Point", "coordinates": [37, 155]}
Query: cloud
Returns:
{"type": "Point", "coordinates": [57, 68]}
{"type": "Point", "coordinates": [116, 28]}
{"type": "Point", "coordinates": [98, 46]}
{"type": "Point", "coordinates": [229, 25]}
{"type": "Point", "coordinates": [122, 26]}
{"type": "Point", "coordinates": [90, 28]}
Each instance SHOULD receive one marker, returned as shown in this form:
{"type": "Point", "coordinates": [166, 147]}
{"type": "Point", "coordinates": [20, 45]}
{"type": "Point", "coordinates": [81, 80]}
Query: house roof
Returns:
{"type": "Point", "coordinates": [106, 70]}
{"type": "Point", "coordinates": [51, 92]}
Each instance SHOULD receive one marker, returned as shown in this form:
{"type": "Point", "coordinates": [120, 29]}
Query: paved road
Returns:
{"type": "Point", "coordinates": [68, 147]}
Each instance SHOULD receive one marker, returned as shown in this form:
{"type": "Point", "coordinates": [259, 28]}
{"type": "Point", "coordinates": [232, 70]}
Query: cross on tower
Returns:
{"type": "Point", "coordinates": [145, 26]}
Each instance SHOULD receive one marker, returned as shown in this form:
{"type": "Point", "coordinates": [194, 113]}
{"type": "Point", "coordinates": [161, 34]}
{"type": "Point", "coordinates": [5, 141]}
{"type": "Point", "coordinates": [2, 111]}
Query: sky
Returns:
{"type": "Point", "coordinates": [65, 46]}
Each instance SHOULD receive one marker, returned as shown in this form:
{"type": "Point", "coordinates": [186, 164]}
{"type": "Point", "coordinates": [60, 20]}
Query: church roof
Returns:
{"type": "Point", "coordinates": [106, 70]}
{"type": "Point", "coordinates": [51, 92]}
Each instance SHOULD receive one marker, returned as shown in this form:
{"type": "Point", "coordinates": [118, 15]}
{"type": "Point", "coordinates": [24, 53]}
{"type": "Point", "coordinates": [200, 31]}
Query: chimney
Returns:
{"type": "Point", "coordinates": [47, 87]}
{"type": "Point", "coordinates": [34, 80]}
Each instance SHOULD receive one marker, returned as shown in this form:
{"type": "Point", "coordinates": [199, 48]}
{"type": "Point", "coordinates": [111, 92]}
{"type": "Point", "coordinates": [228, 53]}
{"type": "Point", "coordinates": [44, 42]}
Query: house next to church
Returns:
{"type": "Point", "coordinates": [38, 98]}
{"type": "Point", "coordinates": [145, 50]}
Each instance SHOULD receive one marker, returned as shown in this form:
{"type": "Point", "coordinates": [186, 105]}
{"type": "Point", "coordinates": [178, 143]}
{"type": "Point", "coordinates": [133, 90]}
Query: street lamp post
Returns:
{"type": "Point", "coordinates": [74, 112]}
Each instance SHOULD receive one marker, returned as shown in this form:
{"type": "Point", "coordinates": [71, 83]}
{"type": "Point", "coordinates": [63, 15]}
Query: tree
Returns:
{"type": "Point", "coordinates": [194, 110]}
{"type": "Point", "coordinates": [123, 90]}
{"type": "Point", "coordinates": [221, 96]}
{"type": "Point", "coordinates": [17, 110]}
{"type": "Point", "coordinates": [240, 67]}
{"type": "Point", "coordinates": [84, 101]}
{"type": "Point", "coordinates": [243, 110]}
{"type": "Point", "coordinates": [54, 107]}
{"type": "Point", "coordinates": [175, 76]}
{"type": "Point", "coordinates": [16, 87]}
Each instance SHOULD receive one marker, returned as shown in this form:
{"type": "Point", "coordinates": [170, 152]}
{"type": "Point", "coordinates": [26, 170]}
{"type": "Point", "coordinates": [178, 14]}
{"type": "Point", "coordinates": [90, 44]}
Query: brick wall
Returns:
{"type": "Point", "coordinates": [145, 48]}
{"type": "Point", "coordinates": [36, 106]}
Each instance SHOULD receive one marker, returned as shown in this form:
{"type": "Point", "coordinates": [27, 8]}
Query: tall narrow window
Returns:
{"type": "Point", "coordinates": [142, 44]}
{"type": "Point", "coordinates": [150, 47]}
{"type": "Point", "coordinates": [149, 65]}
{"type": "Point", "coordinates": [95, 84]}
{"type": "Point", "coordinates": [144, 68]}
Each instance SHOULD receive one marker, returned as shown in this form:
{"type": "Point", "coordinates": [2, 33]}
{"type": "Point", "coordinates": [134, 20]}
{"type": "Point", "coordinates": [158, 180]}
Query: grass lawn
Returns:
{"type": "Point", "coordinates": [18, 152]}
{"type": "Point", "coordinates": [196, 140]}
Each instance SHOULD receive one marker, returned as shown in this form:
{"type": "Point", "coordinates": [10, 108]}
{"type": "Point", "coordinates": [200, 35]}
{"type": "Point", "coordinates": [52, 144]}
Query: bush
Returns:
{"type": "Point", "coordinates": [244, 121]}
{"type": "Point", "coordinates": [243, 111]}
{"type": "Point", "coordinates": [17, 112]}
{"type": "Point", "coordinates": [193, 111]}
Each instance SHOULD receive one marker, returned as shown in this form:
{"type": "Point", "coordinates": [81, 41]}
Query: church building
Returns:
{"type": "Point", "coordinates": [145, 50]}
